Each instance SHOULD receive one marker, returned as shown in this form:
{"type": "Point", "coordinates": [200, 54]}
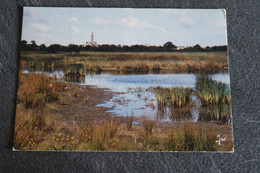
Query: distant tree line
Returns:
{"type": "Point", "coordinates": [167, 47]}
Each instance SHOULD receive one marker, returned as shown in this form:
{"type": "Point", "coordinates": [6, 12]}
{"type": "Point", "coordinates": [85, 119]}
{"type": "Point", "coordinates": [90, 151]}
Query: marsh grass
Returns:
{"type": "Point", "coordinates": [211, 92]}
{"type": "Point", "coordinates": [74, 70]}
{"type": "Point", "coordinates": [36, 90]}
{"type": "Point", "coordinates": [191, 137]}
{"type": "Point", "coordinates": [30, 126]}
{"type": "Point", "coordinates": [102, 133]}
{"type": "Point", "coordinates": [175, 97]}
{"type": "Point", "coordinates": [180, 97]}
{"type": "Point", "coordinates": [131, 62]}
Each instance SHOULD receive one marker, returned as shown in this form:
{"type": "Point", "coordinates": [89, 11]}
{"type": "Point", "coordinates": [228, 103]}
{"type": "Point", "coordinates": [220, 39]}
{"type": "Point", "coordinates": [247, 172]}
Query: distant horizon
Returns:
{"type": "Point", "coordinates": [124, 26]}
{"type": "Point", "coordinates": [29, 42]}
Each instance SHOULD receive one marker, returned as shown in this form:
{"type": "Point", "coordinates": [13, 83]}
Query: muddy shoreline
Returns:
{"type": "Point", "coordinates": [82, 100]}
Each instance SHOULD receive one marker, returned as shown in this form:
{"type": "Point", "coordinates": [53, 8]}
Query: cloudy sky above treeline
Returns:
{"type": "Point", "coordinates": [183, 27]}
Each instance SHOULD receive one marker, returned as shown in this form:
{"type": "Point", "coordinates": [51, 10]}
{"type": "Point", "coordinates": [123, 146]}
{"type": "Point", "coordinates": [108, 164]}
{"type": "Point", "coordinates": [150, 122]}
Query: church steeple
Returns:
{"type": "Point", "coordinates": [91, 42]}
{"type": "Point", "coordinates": [92, 37]}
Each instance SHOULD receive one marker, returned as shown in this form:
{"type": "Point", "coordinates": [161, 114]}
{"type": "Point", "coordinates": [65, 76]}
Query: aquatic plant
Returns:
{"type": "Point", "coordinates": [176, 97]}
{"type": "Point", "coordinates": [161, 97]}
{"type": "Point", "coordinates": [180, 97]}
{"type": "Point", "coordinates": [212, 92]}
{"type": "Point", "coordinates": [75, 69]}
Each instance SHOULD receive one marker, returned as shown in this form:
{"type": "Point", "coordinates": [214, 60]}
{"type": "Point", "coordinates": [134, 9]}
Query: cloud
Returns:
{"type": "Point", "coordinates": [41, 27]}
{"type": "Point", "coordinates": [32, 15]}
{"type": "Point", "coordinates": [127, 23]}
{"type": "Point", "coordinates": [133, 23]}
{"type": "Point", "coordinates": [58, 16]}
{"type": "Point", "coordinates": [75, 30]}
{"type": "Point", "coordinates": [101, 21]}
{"type": "Point", "coordinates": [73, 20]}
{"type": "Point", "coordinates": [186, 21]}
{"type": "Point", "coordinates": [176, 12]}
{"type": "Point", "coordinates": [182, 15]}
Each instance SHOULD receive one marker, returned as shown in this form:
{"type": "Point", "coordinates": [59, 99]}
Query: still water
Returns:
{"type": "Point", "coordinates": [134, 97]}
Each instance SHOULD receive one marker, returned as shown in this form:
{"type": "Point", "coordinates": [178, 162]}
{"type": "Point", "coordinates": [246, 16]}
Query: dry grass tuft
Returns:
{"type": "Point", "coordinates": [191, 137]}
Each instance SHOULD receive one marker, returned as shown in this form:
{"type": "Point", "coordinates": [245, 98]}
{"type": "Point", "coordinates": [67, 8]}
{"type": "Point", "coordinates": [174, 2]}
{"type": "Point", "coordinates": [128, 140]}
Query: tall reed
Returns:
{"type": "Point", "coordinates": [176, 97]}
{"type": "Point", "coordinates": [212, 92]}
{"type": "Point", "coordinates": [180, 97]}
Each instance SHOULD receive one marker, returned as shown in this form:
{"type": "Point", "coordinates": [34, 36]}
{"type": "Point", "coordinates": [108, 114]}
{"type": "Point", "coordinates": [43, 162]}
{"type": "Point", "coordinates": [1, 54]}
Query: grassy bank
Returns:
{"type": "Point", "coordinates": [130, 62]}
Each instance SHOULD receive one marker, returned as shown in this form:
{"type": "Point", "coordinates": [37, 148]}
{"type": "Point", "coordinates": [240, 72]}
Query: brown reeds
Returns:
{"type": "Point", "coordinates": [36, 90]}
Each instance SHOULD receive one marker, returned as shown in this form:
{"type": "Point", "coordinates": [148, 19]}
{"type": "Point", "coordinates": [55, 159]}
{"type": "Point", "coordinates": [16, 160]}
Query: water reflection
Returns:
{"type": "Point", "coordinates": [215, 112]}
{"type": "Point", "coordinates": [75, 79]}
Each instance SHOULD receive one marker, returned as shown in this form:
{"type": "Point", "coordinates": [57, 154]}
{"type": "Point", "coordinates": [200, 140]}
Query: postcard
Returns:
{"type": "Point", "coordinates": [122, 79]}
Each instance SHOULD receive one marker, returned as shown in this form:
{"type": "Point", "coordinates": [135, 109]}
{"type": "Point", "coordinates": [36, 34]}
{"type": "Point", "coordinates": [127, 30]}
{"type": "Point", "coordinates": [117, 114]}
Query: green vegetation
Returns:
{"type": "Point", "coordinates": [211, 92]}
{"type": "Point", "coordinates": [74, 70]}
{"type": "Point", "coordinates": [176, 97]}
{"type": "Point", "coordinates": [180, 97]}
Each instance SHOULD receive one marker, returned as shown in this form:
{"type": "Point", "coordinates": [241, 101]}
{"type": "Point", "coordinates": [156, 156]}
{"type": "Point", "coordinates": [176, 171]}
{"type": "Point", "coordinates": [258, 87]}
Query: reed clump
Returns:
{"type": "Point", "coordinates": [161, 97]}
{"type": "Point", "coordinates": [74, 70]}
{"type": "Point", "coordinates": [211, 92]}
{"type": "Point", "coordinates": [180, 97]}
{"type": "Point", "coordinates": [191, 137]}
{"type": "Point", "coordinates": [176, 97]}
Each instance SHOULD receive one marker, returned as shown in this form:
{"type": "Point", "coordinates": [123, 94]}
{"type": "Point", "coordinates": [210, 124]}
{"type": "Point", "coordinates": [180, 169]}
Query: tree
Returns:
{"type": "Point", "coordinates": [54, 48]}
{"type": "Point", "coordinates": [169, 46]}
{"type": "Point", "coordinates": [42, 47]}
{"type": "Point", "coordinates": [23, 45]}
{"type": "Point", "coordinates": [197, 47]}
{"type": "Point", "coordinates": [73, 48]}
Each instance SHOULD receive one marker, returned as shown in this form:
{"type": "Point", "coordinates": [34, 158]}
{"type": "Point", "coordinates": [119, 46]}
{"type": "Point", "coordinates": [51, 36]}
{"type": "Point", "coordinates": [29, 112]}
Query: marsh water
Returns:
{"type": "Point", "coordinates": [134, 96]}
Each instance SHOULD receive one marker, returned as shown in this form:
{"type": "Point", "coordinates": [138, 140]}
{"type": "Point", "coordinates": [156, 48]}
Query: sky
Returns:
{"type": "Point", "coordinates": [124, 26]}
